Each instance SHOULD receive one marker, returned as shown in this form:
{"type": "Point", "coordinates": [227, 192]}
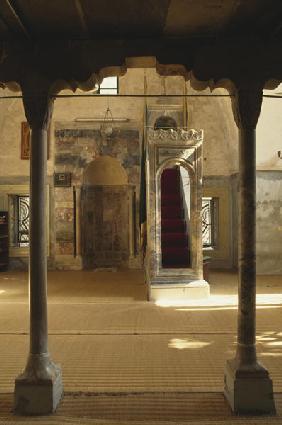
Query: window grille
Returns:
{"type": "Point", "coordinates": [209, 222]}
{"type": "Point", "coordinates": [23, 220]}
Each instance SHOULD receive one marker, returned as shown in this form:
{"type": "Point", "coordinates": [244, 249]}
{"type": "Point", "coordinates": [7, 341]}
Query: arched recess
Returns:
{"type": "Point", "coordinates": [169, 163]}
{"type": "Point", "coordinates": [105, 226]}
{"type": "Point", "coordinates": [165, 122]}
{"type": "Point", "coordinates": [105, 170]}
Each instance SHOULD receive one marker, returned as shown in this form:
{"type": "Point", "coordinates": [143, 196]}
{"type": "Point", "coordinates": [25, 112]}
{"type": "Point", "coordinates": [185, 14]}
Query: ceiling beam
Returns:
{"type": "Point", "coordinates": [82, 18]}
{"type": "Point", "coordinates": [212, 61]}
{"type": "Point", "coordinates": [12, 19]}
{"type": "Point", "coordinates": [277, 29]}
{"type": "Point", "coordinates": [3, 24]}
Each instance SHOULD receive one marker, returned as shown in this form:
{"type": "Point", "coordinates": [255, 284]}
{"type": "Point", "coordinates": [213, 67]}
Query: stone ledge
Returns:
{"type": "Point", "coordinates": [196, 289]}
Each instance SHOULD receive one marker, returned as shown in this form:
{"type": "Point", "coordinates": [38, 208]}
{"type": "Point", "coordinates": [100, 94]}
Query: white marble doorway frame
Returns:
{"type": "Point", "coordinates": [168, 148]}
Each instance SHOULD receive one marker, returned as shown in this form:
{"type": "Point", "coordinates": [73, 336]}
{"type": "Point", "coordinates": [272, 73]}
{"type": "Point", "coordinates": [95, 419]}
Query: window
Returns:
{"type": "Point", "coordinates": [209, 221]}
{"type": "Point", "coordinates": [23, 220]}
{"type": "Point", "coordinates": [19, 220]}
{"type": "Point", "coordinates": [109, 85]}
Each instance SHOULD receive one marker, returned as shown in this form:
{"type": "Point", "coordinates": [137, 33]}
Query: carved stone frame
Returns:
{"type": "Point", "coordinates": [184, 148]}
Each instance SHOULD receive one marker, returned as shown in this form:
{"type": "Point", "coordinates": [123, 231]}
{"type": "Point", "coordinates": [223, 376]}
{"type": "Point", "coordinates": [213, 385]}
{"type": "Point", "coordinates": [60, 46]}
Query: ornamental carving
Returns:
{"type": "Point", "coordinates": [175, 135]}
{"type": "Point", "coordinates": [246, 105]}
{"type": "Point", "coordinates": [38, 109]}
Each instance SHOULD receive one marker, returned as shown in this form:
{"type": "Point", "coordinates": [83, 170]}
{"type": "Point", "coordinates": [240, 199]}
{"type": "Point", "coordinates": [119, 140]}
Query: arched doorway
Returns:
{"type": "Point", "coordinates": [175, 217]}
{"type": "Point", "coordinates": [105, 214]}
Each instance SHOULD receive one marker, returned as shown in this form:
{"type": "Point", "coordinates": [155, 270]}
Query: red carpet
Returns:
{"type": "Point", "coordinates": [175, 250]}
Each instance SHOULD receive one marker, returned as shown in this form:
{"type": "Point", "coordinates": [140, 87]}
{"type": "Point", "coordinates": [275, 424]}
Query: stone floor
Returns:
{"type": "Point", "coordinates": [127, 361]}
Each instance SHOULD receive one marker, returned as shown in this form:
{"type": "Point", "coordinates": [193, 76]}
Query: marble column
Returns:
{"type": "Point", "coordinates": [38, 389]}
{"type": "Point", "coordinates": [248, 387]}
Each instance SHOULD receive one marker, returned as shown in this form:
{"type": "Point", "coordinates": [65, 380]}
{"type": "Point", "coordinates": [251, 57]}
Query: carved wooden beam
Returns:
{"type": "Point", "coordinates": [83, 63]}
{"type": "Point", "coordinates": [12, 19]}
{"type": "Point", "coordinates": [82, 17]}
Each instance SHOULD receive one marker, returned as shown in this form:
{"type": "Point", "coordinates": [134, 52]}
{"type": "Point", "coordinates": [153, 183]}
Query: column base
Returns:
{"type": "Point", "coordinates": [248, 389]}
{"type": "Point", "coordinates": [39, 389]}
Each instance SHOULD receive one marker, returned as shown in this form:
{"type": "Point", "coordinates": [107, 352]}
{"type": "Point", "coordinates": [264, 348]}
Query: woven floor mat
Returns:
{"type": "Point", "coordinates": [162, 363]}
{"type": "Point", "coordinates": [137, 409]}
{"type": "Point", "coordinates": [140, 318]}
{"type": "Point", "coordinates": [71, 286]}
{"type": "Point", "coordinates": [122, 286]}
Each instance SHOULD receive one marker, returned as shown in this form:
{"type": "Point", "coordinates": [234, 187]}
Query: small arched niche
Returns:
{"type": "Point", "coordinates": [105, 171]}
{"type": "Point", "coordinates": [175, 194]}
{"type": "Point", "coordinates": [165, 122]}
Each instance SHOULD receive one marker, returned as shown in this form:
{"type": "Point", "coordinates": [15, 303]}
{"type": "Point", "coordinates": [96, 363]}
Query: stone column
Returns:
{"type": "Point", "coordinates": [248, 387]}
{"type": "Point", "coordinates": [38, 389]}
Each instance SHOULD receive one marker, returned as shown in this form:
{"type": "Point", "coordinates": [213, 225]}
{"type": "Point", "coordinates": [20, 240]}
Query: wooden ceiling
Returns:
{"type": "Point", "coordinates": [126, 19]}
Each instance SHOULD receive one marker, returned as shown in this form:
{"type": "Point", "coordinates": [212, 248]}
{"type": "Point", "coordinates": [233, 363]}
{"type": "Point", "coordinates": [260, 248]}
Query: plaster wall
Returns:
{"type": "Point", "coordinates": [214, 115]}
{"type": "Point", "coordinates": [11, 116]}
{"type": "Point", "coordinates": [269, 185]}
{"type": "Point", "coordinates": [269, 222]}
{"type": "Point", "coordinates": [269, 130]}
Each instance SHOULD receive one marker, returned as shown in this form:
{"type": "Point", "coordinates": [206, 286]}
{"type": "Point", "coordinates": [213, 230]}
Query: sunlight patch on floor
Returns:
{"type": "Point", "coordinates": [181, 344]}
{"type": "Point", "coordinates": [221, 301]}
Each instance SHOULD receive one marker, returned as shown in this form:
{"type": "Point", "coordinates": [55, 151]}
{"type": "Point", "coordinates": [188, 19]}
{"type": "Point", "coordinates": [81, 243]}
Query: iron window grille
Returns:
{"type": "Point", "coordinates": [209, 222]}
{"type": "Point", "coordinates": [22, 227]}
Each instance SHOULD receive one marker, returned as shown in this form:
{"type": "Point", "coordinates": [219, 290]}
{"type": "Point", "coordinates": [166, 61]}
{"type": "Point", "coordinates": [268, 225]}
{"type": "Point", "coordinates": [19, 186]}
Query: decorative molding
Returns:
{"type": "Point", "coordinates": [14, 189]}
{"type": "Point", "coordinates": [175, 135]}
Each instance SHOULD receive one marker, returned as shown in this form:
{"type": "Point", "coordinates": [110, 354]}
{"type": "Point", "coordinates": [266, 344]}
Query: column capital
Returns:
{"type": "Point", "coordinates": [38, 108]}
{"type": "Point", "coordinates": [38, 103]}
{"type": "Point", "coordinates": [246, 104]}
